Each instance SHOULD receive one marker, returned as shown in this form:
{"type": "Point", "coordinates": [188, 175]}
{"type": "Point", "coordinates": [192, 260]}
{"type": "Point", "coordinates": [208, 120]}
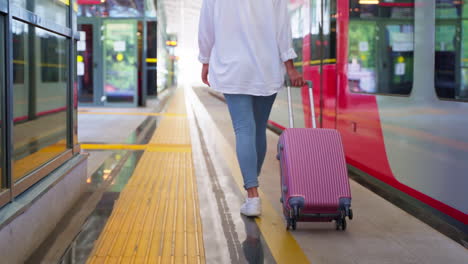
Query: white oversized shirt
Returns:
{"type": "Point", "coordinates": [246, 43]}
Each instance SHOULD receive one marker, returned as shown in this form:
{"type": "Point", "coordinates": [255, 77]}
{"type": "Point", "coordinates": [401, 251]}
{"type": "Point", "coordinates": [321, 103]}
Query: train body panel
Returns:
{"type": "Point", "coordinates": [394, 126]}
{"type": "Point", "coordinates": [425, 137]}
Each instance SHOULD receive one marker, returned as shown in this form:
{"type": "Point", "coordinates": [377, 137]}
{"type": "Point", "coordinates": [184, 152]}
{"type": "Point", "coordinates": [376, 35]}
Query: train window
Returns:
{"type": "Point", "coordinates": [53, 10]}
{"type": "Point", "coordinates": [371, 9]}
{"type": "Point", "coordinates": [298, 16]}
{"type": "Point", "coordinates": [329, 31]}
{"type": "Point", "coordinates": [315, 19]}
{"type": "Point", "coordinates": [322, 31]}
{"type": "Point", "coordinates": [40, 120]}
{"type": "Point", "coordinates": [451, 50]}
{"type": "Point", "coordinates": [381, 47]}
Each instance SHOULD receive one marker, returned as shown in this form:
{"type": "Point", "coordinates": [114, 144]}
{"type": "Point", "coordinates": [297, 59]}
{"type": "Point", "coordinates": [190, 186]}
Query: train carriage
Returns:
{"type": "Point", "coordinates": [391, 76]}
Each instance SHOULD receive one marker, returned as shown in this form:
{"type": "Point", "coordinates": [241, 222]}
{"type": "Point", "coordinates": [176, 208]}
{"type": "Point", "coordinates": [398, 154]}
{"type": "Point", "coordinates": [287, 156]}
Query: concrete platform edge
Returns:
{"type": "Point", "coordinates": [27, 221]}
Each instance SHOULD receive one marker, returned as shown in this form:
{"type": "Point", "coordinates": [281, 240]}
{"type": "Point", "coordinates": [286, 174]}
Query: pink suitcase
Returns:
{"type": "Point", "coordinates": [314, 179]}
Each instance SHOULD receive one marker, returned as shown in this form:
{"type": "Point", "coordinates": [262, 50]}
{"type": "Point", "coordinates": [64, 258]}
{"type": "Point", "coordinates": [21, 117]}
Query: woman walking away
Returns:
{"type": "Point", "coordinates": [246, 49]}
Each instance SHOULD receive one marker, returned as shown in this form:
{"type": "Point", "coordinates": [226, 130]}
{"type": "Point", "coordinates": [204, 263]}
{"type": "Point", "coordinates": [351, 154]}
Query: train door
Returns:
{"type": "Point", "coordinates": [88, 63]}
{"type": "Point", "coordinates": [321, 63]}
{"type": "Point", "coordinates": [107, 62]}
{"type": "Point", "coordinates": [328, 91]}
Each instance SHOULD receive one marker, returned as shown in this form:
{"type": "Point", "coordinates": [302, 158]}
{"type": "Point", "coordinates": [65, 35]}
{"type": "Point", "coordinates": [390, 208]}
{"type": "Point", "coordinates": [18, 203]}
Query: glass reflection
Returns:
{"type": "Point", "coordinates": [120, 61]}
{"type": "Point", "coordinates": [2, 87]}
{"type": "Point", "coordinates": [40, 87]}
{"type": "Point", "coordinates": [329, 31]}
{"type": "Point", "coordinates": [152, 82]}
{"type": "Point", "coordinates": [396, 9]}
{"type": "Point", "coordinates": [114, 8]}
{"type": "Point", "coordinates": [299, 30]}
{"type": "Point", "coordinates": [85, 63]}
{"type": "Point", "coordinates": [381, 47]}
{"type": "Point", "coordinates": [362, 50]}
{"type": "Point", "coordinates": [322, 32]}
{"type": "Point", "coordinates": [151, 58]}
{"type": "Point", "coordinates": [451, 50]}
{"type": "Point", "coordinates": [279, 111]}
{"type": "Point", "coordinates": [56, 11]}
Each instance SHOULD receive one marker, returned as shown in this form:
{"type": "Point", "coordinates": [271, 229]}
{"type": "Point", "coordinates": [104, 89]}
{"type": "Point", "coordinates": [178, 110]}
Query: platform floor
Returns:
{"type": "Point", "coordinates": [170, 192]}
{"type": "Point", "coordinates": [380, 232]}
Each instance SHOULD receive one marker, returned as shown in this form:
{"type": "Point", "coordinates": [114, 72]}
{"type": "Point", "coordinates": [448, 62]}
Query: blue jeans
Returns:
{"type": "Point", "coordinates": [249, 115]}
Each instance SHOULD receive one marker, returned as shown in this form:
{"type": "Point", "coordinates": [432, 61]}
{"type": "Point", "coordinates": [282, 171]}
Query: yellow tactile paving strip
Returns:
{"type": "Point", "coordinates": [85, 112]}
{"type": "Point", "coordinates": [150, 147]}
{"type": "Point", "coordinates": [178, 132]}
{"type": "Point", "coordinates": [157, 218]}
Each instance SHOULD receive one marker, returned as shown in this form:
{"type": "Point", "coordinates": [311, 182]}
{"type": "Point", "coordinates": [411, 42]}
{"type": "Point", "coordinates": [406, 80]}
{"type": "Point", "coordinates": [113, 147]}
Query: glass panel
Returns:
{"type": "Point", "coordinates": [279, 112]}
{"type": "Point", "coordinates": [381, 47]}
{"type": "Point", "coordinates": [329, 31]}
{"type": "Point", "coordinates": [75, 101]}
{"type": "Point", "coordinates": [53, 10]}
{"type": "Point", "coordinates": [120, 61]}
{"type": "Point", "coordinates": [323, 35]}
{"type": "Point", "coordinates": [85, 64]}
{"type": "Point", "coordinates": [372, 9]}
{"type": "Point", "coordinates": [151, 80]}
{"type": "Point", "coordinates": [75, 16]}
{"type": "Point", "coordinates": [151, 58]}
{"type": "Point", "coordinates": [151, 45]}
{"type": "Point", "coordinates": [4, 5]}
{"type": "Point", "coordinates": [299, 30]}
{"type": "Point", "coordinates": [451, 9]}
{"type": "Point", "coordinates": [2, 92]}
{"type": "Point", "coordinates": [315, 16]}
{"type": "Point", "coordinates": [141, 63]}
{"type": "Point", "coordinates": [150, 8]}
{"type": "Point", "coordinates": [362, 68]}
{"type": "Point", "coordinates": [451, 54]}
{"type": "Point", "coordinates": [445, 57]}
{"type": "Point", "coordinates": [399, 47]}
{"type": "Point", "coordinates": [111, 8]}
{"type": "Point", "coordinates": [40, 88]}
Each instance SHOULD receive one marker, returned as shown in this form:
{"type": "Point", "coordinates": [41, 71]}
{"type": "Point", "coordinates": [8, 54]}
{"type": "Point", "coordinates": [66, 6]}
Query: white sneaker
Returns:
{"type": "Point", "coordinates": [252, 207]}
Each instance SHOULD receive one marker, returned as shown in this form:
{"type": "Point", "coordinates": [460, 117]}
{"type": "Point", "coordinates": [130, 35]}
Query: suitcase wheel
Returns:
{"type": "Point", "coordinates": [341, 222]}
{"type": "Point", "coordinates": [292, 224]}
{"type": "Point", "coordinates": [294, 215]}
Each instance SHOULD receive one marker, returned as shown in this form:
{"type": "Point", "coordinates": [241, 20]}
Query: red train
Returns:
{"type": "Point", "coordinates": [392, 77]}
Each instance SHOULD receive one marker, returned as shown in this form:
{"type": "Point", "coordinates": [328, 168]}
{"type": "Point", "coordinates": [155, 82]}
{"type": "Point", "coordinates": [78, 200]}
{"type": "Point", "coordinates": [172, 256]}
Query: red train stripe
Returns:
{"type": "Point", "coordinates": [53, 111]}
{"type": "Point", "coordinates": [273, 123]}
{"type": "Point", "coordinates": [43, 113]}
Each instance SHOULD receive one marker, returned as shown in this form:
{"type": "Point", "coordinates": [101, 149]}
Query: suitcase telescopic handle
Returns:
{"type": "Point", "coordinates": [311, 104]}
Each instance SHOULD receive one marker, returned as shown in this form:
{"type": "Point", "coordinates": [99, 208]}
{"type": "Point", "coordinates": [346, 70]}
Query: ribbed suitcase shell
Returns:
{"type": "Point", "coordinates": [313, 166]}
